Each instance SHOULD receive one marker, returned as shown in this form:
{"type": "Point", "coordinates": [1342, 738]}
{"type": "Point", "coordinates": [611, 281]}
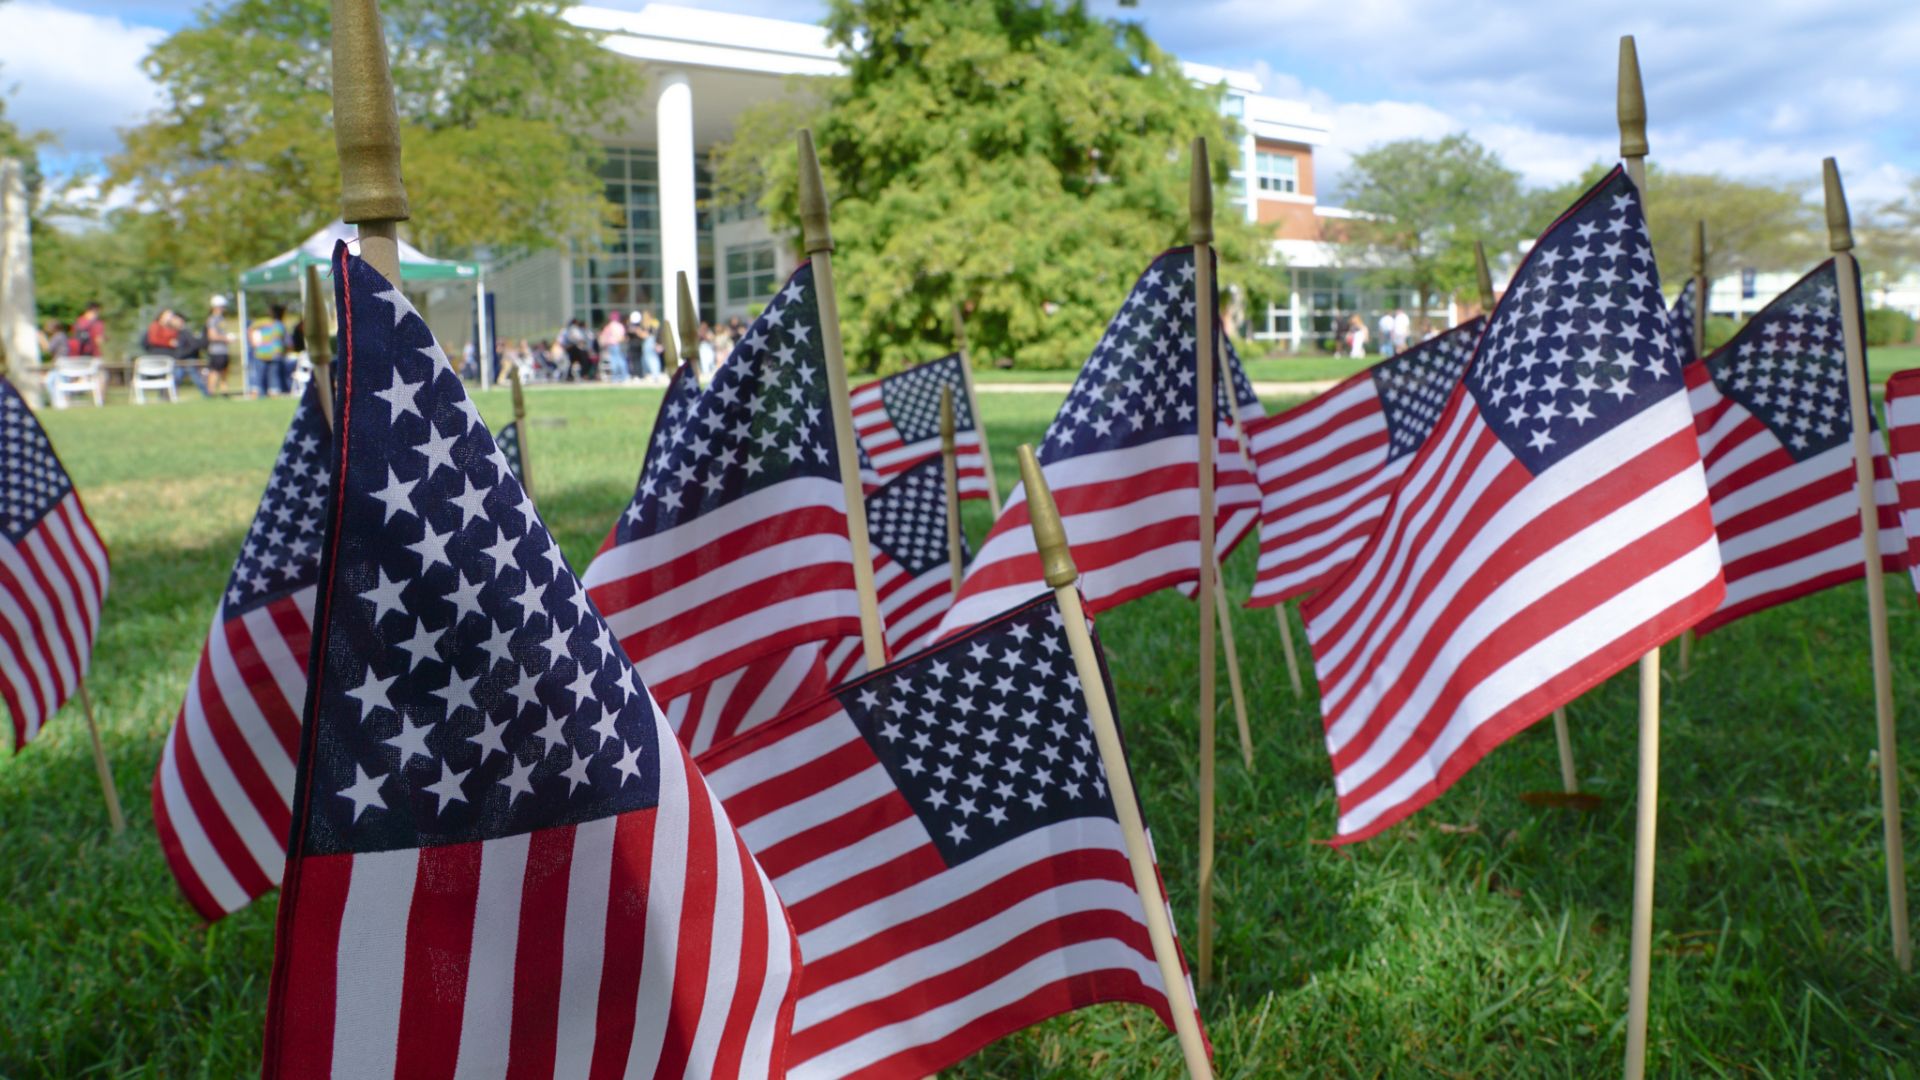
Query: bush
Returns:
{"type": "Point", "coordinates": [1886, 326]}
{"type": "Point", "coordinates": [1720, 330]}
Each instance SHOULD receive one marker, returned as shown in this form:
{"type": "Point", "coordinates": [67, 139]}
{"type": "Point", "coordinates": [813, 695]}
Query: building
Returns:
{"type": "Point", "coordinates": [704, 68]}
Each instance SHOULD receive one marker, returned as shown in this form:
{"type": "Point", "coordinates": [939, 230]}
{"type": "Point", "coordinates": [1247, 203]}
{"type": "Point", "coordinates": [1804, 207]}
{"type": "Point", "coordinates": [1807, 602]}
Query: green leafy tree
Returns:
{"type": "Point", "coordinates": [1420, 204]}
{"type": "Point", "coordinates": [499, 100]}
{"type": "Point", "coordinates": [1022, 158]}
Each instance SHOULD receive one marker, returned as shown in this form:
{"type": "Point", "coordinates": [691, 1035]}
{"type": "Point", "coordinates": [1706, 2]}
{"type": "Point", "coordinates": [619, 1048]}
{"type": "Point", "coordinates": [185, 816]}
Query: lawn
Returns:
{"type": "Point", "coordinates": [1482, 938]}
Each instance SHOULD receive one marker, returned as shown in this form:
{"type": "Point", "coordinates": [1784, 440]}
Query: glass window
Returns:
{"type": "Point", "coordinates": [1276, 172]}
{"type": "Point", "coordinates": [752, 272]}
{"type": "Point", "coordinates": [625, 274]}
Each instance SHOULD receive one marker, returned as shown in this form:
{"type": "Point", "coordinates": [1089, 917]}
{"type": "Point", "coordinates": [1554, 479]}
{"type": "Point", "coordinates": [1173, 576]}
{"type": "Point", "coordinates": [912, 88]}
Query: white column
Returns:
{"type": "Point", "coordinates": [679, 238]}
{"type": "Point", "coordinates": [1296, 311]}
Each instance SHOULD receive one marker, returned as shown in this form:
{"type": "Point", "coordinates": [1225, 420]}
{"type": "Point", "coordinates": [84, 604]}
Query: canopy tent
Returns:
{"type": "Point", "coordinates": [288, 271]}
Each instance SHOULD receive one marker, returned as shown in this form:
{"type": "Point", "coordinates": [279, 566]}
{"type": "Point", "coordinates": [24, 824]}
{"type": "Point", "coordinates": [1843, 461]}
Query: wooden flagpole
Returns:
{"type": "Point", "coordinates": [1056, 559]}
{"type": "Point", "coordinates": [1569, 776]}
{"type": "Point", "coordinates": [973, 407]}
{"type": "Point", "coordinates": [1840, 240]}
{"type": "Point", "coordinates": [1633, 150]}
{"type": "Point", "coordinates": [817, 236]}
{"type": "Point", "coordinates": [319, 344]}
{"type": "Point", "coordinates": [1286, 646]}
{"type": "Point", "coordinates": [1200, 232]}
{"type": "Point", "coordinates": [366, 131]}
{"type": "Point", "coordinates": [689, 326]}
{"type": "Point", "coordinates": [1227, 646]}
{"type": "Point", "coordinates": [950, 485]}
{"type": "Point", "coordinates": [1697, 333]}
{"type": "Point", "coordinates": [520, 429]}
{"type": "Point", "coordinates": [118, 819]}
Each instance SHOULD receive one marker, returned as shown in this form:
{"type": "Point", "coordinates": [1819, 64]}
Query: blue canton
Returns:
{"type": "Point", "coordinates": [508, 440]}
{"type": "Point", "coordinates": [764, 419]}
{"type": "Point", "coordinates": [907, 518]}
{"type": "Point", "coordinates": [1682, 315]}
{"type": "Point", "coordinates": [468, 689]}
{"type": "Point", "coordinates": [1414, 386]}
{"type": "Point", "coordinates": [31, 479]}
{"type": "Point", "coordinates": [1243, 396]}
{"type": "Point", "coordinates": [1581, 342]}
{"type": "Point", "coordinates": [987, 736]}
{"type": "Point", "coordinates": [282, 550]}
{"type": "Point", "coordinates": [1788, 367]}
{"type": "Point", "coordinates": [912, 398]}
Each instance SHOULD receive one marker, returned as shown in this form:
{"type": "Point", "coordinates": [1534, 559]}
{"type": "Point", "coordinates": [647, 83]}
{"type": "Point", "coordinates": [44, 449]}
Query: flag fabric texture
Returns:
{"type": "Point", "coordinates": [1776, 433]}
{"type": "Point", "coordinates": [1681, 315]}
{"type": "Point", "coordinates": [749, 696]}
{"type": "Point", "coordinates": [898, 421]}
{"type": "Point", "coordinates": [1903, 435]}
{"type": "Point", "coordinates": [508, 440]}
{"type": "Point", "coordinates": [502, 862]}
{"type": "Point", "coordinates": [1122, 459]}
{"type": "Point", "coordinates": [912, 569]}
{"type": "Point", "coordinates": [942, 834]}
{"type": "Point", "coordinates": [53, 573]}
{"type": "Point", "coordinates": [1326, 468]}
{"type": "Point", "coordinates": [223, 791]}
{"type": "Point", "coordinates": [1553, 529]}
{"type": "Point", "coordinates": [735, 544]}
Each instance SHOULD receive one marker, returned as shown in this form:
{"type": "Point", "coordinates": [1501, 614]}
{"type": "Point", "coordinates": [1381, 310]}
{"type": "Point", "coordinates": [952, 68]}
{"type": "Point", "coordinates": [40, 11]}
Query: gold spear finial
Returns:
{"type": "Point", "coordinates": [689, 319]}
{"type": "Point", "coordinates": [815, 234]}
{"type": "Point", "coordinates": [669, 356]}
{"type": "Point", "coordinates": [1483, 276]}
{"type": "Point", "coordinates": [1633, 102]}
{"type": "Point", "coordinates": [1049, 535]}
{"type": "Point", "coordinates": [946, 420]}
{"type": "Point", "coordinates": [1839, 222]}
{"type": "Point", "coordinates": [366, 125]}
{"type": "Point", "coordinates": [1200, 196]}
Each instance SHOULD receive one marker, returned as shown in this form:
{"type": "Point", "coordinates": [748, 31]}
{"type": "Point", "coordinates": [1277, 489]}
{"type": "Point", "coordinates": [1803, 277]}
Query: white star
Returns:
{"type": "Point", "coordinates": [431, 547]}
{"type": "Point", "coordinates": [364, 792]}
{"type": "Point", "coordinates": [520, 780]}
{"type": "Point", "coordinates": [438, 450]}
{"type": "Point", "coordinates": [411, 741]}
{"type": "Point", "coordinates": [447, 788]}
{"type": "Point", "coordinates": [604, 727]}
{"type": "Point", "coordinates": [552, 732]}
{"type": "Point", "coordinates": [501, 551]}
{"type": "Point", "coordinates": [372, 694]}
{"type": "Point", "coordinates": [423, 645]}
{"type": "Point", "coordinates": [471, 503]}
{"type": "Point", "coordinates": [397, 497]}
{"type": "Point", "coordinates": [525, 691]}
{"type": "Point", "coordinates": [576, 773]}
{"type": "Point", "coordinates": [629, 764]}
{"type": "Point", "coordinates": [465, 599]}
{"type": "Point", "coordinates": [490, 738]}
{"type": "Point", "coordinates": [401, 395]}
{"type": "Point", "coordinates": [400, 306]}
{"type": "Point", "coordinates": [458, 693]}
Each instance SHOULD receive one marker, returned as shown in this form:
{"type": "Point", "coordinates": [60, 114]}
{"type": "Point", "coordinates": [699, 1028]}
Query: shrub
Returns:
{"type": "Point", "coordinates": [1886, 326]}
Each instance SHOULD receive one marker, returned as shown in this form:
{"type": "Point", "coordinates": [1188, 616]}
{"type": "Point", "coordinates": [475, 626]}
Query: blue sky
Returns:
{"type": "Point", "coordinates": [1759, 88]}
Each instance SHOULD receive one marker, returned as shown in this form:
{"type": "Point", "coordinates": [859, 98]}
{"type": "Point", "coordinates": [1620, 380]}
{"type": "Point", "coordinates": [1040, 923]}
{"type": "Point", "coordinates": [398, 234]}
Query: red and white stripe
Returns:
{"type": "Point", "coordinates": [1786, 528]}
{"type": "Point", "coordinates": [1903, 436]}
{"type": "Point", "coordinates": [222, 795]}
{"type": "Point", "coordinates": [891, 455]}
{"type": "Point", "coordinates": [909, 965]}
{"type": "Point", "coordinates": [52, 583]}
{"type": "Point", "coordinates": [910, 607]}
{"type": "Point", "coordinates": [1488, 597]}
{"type": "Point", "coordinates": [647, 944]}
{"type": "Point", "coordinates": [759, 575]}
{"type": "Point", "coordinates": [749, 696]}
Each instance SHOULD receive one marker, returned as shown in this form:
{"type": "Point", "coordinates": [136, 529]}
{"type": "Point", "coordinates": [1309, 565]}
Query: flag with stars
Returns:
{"type": "Point", "coordinates": [1775, 431]}
{"type": "Point", "coordinates": [735, 544]}
{"type": "Point", "coordinates": [1552, 529]}
{"type": "Point", "coordinates": [223, 791]}
{"type": "Point", "coordinates": [898, 421]}
{"type": "Point", "coordinates": [53, 573]}
{"type": "Point", "coordinates": [508, 440]}
{"type": "Point", "coordinates": [942, 834]}
{"type": "Point", "coordinates": [912, 568]}
{"type": "Point", "coordinates": [1681, 313]}
{"type": "Point", "coordinates": [501, 861]}
{"type": "Point", "coordinates": [1122, 458]}
{"type": "Point", "coordinates": [1903, 436]}
{"type": "Point", "coordinates": [1326, 468]}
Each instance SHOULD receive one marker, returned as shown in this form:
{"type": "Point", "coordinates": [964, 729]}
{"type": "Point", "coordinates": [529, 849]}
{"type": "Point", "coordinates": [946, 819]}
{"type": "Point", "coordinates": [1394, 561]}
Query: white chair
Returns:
{"type": "Point", "coordinates": [80, 375]}
{"type": "Point", "coordinates": [154, 373]}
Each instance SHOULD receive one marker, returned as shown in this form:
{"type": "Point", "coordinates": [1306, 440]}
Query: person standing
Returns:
{"type": "Point", "coordinates": [267, 342]}
{"type": "Point", "coordinates": [219, 345]}
{"type": "Point", "coordinates": [707, 352]}
{"type": "Point", "coordinates": [1402, 330]}
{"type": "Point", "coordinates": [1386, 333]}
{"type": "Point", "coordinates": [1356, 337]}
{"type": "Point", "coordinates": [613, 348]}
{"type": "Point", "coordinates": [89, 334]}
{"type": "Point", "coordinates": [648, 331]}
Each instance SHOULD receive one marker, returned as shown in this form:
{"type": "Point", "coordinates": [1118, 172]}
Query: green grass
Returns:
{"type": "Point", "coordinates": [1482, 938]}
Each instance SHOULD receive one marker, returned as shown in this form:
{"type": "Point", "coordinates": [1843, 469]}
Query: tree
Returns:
{"type": "Point", "coordinates": [1419, 205]}
{"type": "Point", "coordinates": [1021, 157]}
{"type": "Point", "coordinates": [500, 103]}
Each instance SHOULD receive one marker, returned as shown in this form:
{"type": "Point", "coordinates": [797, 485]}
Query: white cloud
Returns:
{"type": "Point", "coordinates": [74, 74]}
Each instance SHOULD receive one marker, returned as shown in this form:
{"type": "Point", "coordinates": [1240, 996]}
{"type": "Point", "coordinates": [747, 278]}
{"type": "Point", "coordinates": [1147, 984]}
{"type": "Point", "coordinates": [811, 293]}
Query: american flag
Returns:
{"type": "Point", "coordinates": [735, 545]}
{"type": "Point", "coordinates": [942, 834]}
{"type": "Point", "coordinates": [502, 862]}
{"type": "Point", "coordinates": [53, 573]}
{"type": "Point", "coordinates": [508, 440]}
{"type": "Point", "coordinates": [1903, 432]}
{"type": "Point", "coordinates": [898, 421]}
{"type": "Point", "coordinates": [224, 787]}
{"type": "Point", "coordinates": [1771, 410]}
{"type": "Point", "coordinates": [1682, 316]}
{"type": "Point", "coordinates": [749, 696]}
{"type": "Point", "coordinates": [1122, 460]}
{"type": "Point", "coordinates": [1326, 468]}
{"type": "Point", "coordinates": [1553, 529]}
{"type": "Point", "coordinates": [912, 568]}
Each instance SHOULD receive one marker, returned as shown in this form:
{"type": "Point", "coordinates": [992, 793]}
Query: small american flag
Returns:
{"type": "Point", "coordinates": [1553, 529]}
{"type": "Point", "coordinates": [1777, 437]}
{"type": "Point", "coordinates": [1682, 316]}
{"type": "Point", "coordinates": [502, 862]}
{"type": "Point", "coordinates": [1326, 468]}
{"type": "Point", "coordinates": [1903, 433]}
{"type": "Point", "coordinates": [943, 836]}
{"type": "Point", "coordinates": [53, 573]}
{"type": "Point", "coordinates": [508, 440]}
{"type": "Point", "coordinates": [1121, 457]}
{"type": "Point", "coordinates": [898, 421]}
{"type": "Point", "coordinates": [747, 697]}
{"type": "Point", "coordinates": [735, 545]}
{"type": "Point", "coordinates": [224, 787]}
{"type": "Point", "coordinates": [912, 570]}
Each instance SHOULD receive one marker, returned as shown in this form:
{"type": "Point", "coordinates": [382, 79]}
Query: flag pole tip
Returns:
{"type": "Point", "coordinates": [1839, 221]}
{"type": "Point", "coordinates": [689, 318]}
{"type": "Point", "coordinates": [1633, 102]}
{"type": "Point", "coordinates": [815, 234]}
{"type": "Point", "coordinates": [669, 354]}
{"type": "Point", "coordinates": [1200, 195]}
{"type": "Point", "coordinates": [366, 123]}
{"type": "Point", "coordinates": [1049, 535]}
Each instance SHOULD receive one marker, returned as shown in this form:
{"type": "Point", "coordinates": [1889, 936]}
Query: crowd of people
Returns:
{"type": "Point", "coordinates": [1394, 333]}
{"type": "Point", "coordinates": [274, 344]}
{"type": "Point", "coordinates": [621, 350]}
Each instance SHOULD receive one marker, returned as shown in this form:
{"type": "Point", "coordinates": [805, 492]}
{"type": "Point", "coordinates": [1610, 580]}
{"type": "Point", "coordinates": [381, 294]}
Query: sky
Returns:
{"type": "Point", "coordinates": [1757, 89]}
